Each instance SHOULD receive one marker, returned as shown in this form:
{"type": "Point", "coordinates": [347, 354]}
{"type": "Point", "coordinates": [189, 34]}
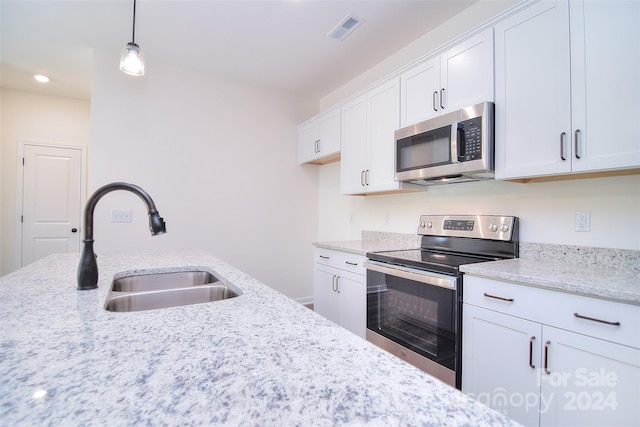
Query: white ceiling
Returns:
{"type": "Point", "coordinates": [277, 44]}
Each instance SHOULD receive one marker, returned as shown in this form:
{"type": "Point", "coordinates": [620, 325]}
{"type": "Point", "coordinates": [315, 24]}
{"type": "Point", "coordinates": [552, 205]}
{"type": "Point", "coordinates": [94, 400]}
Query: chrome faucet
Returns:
{"type": "Point", "coordinates": [88, 267]}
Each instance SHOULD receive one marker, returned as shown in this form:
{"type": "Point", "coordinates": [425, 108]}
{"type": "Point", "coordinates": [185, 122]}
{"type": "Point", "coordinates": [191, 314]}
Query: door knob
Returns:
{"type": "Point", "coordinates": [74, 230]}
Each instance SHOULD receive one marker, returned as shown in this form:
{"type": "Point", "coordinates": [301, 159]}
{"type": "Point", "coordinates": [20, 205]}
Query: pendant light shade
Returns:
{"type": "Point", "coordinates": [132, 60]}
{"type": "Point", "coordinates": [131, 57]}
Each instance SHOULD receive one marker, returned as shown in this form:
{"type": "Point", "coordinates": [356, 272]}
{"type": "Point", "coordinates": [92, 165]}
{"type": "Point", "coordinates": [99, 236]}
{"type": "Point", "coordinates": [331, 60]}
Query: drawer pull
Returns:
{"type": "Point", "coordinates": [531, 353]}
{"type": "Point", "coordinates": [351, 263]}
{"type": "Point", "coordinates": [546, 357]}
{"type": "Point", "coordinates": [324, 257]}
{"type": "Point", "coordinates": [500, 298]}
{"type": "Point", "coordinates": [606, 322]}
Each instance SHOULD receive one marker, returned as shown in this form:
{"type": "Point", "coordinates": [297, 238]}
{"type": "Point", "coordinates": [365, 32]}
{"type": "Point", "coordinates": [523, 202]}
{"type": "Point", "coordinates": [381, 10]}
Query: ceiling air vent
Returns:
{"type": "Point", "coordinates": [345, 27]}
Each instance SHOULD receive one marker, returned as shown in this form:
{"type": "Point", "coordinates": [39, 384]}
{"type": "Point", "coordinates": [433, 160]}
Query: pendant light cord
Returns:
{"type": "Point", "coordinates": [133, 33]}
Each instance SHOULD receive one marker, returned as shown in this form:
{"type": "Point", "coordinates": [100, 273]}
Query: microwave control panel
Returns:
{"type": "Point", "coordinates": [470, 139]}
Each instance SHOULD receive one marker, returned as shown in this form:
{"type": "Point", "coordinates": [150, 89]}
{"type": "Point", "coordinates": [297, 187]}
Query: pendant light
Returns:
{"type": "Point", "coordinates": [131, 58]}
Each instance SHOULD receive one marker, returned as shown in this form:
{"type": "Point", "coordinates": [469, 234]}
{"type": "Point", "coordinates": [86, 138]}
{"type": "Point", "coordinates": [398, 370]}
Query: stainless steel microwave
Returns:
{"type": "Point", "coordinates": [453, 147]}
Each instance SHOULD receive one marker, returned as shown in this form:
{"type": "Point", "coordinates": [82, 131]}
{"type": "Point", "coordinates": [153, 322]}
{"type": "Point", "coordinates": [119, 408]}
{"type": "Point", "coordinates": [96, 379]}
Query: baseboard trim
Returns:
{"type": "Point", "coordinates": [304, 300]}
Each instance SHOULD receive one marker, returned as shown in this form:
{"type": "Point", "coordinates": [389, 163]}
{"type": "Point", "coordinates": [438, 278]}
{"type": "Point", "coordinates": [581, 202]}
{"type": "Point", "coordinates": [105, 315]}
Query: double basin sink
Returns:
{"type": "Point", "coordinates": [167, 289]}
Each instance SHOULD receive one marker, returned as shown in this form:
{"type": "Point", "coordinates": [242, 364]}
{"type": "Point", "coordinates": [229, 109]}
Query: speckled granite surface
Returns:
{"type": "Point", "coordinates": [621, 259]}
{"type": "Point", "coordinates": [597, 272]}
{"type": "Point", "coordinates": [258, 359]}
{"type": "Point", "coordinates": [374, 241]}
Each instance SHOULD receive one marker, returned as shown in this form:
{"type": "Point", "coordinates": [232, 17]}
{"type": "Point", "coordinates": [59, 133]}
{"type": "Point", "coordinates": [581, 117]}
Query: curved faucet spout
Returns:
{"type": "Point", "coordinates": [88, 267]}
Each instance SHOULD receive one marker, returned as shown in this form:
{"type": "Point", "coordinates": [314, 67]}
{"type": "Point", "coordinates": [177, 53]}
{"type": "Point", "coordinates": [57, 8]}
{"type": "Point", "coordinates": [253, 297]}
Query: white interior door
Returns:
{"type": "Point", "coordinates": [51, 201]}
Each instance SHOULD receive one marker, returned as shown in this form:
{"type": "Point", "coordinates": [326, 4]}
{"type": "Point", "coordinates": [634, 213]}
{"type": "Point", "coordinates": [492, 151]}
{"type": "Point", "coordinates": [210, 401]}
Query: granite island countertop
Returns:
{"type": "Point", "coordinates": [257, 359]}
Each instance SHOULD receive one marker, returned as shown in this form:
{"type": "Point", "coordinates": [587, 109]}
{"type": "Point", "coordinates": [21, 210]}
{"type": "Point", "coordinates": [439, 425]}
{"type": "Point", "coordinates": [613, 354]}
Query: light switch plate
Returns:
{"type": "Point", "coordinates": [121, 215]}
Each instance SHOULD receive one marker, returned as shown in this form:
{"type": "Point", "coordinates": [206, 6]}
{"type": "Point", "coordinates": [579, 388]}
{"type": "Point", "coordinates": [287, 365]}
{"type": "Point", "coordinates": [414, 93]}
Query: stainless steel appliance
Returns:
{"type": "Point", "coordinates": [454, 147]}
{"type": "Point", "coordinates": [414, 297]}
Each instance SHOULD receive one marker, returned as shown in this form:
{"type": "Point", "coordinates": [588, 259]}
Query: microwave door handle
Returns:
{"type": "Point", "coordinates": [461, 143]}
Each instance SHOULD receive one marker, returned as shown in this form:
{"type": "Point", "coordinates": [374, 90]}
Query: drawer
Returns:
{"type": "Point", "coordinates": [342, 260]}
{"type": "Point", "coordinates": [576, 313]}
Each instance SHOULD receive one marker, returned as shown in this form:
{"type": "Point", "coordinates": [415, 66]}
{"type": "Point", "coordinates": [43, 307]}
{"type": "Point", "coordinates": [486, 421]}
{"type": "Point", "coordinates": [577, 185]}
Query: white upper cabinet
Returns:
{"type": "Point", "coordinates": [605, 84]}
{"type": "Point", "coordinates": [459, 77]}
{"type": "Point", "coordinates": [319, 138]}
{"type": "Point", "coordinates": [354, 150]}
{"type": "Point", "coordinates": [369, 122]}
{"type": "Point", "coordinates": [567, 89]}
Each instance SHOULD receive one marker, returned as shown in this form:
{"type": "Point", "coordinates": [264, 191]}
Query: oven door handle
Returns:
{"type": "Point", "coordinates": [421, 276]}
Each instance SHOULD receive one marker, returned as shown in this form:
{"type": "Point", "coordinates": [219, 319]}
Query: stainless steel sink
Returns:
{"type": "Point", "coordinates": [138, 301]}
{"type": "Point", "coordinates": [163, 290]}
{"type": "Point", "coordinates": [162, 281]}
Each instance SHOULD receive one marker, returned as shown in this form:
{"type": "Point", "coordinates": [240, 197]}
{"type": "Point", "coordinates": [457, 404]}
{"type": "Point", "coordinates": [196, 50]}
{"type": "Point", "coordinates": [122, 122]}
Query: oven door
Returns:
{"type": "Point", "coordinates": [415, 315]}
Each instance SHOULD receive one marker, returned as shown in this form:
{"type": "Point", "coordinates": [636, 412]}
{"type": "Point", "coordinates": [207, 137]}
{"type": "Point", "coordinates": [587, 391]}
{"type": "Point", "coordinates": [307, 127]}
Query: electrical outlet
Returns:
{"type": "Point", "coordinates": [583, 221]}
{"type": "Point", "coordinates": [121, 215]}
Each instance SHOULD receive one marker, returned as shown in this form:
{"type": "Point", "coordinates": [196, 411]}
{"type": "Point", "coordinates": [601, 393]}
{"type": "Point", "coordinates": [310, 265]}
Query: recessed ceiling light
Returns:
{"type": "Point", "coordinates": [41, 78]}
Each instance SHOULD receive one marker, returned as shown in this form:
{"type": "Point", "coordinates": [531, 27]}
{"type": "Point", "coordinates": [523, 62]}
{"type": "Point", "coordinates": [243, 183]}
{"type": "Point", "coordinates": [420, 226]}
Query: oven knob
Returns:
{"type": "Point", "coordinates": [429, 224]}
{"type": "Point", "coordinates": [423, 224]}
{"type": "Point", "coordinates": [504, 228]}
{"type": "Point", "coordinates": [493, 227]}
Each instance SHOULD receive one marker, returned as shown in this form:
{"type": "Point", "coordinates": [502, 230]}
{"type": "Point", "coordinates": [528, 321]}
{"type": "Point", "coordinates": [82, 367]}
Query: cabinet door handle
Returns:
{"type": "Point", "coordinates": [366, 177]}
{"type": "Point", "coordinates": [362, 178]}
{"type": "Point", "coordinates": [333, 283]}
{"type": "Point", "coordinates": [351, 263]}
{"type": "Point", "coordinates": [593, 319]}
{"type": "Point", "coordinates": [562, 135]}
{"type": "Point", "coordinates": [575, 143]}
{"type": "Point", "coordinates": [338, 284]}
{"type": "Point", "coordinates": [546, 357]}
{"type": "Point", "coordinates": [496, 297]}
{"type": "Point", "coordinates": [531, 352]}
{"type": "Point", "coordinates": [442, 98]}
{"type": "Point", "coordinates": [435, 107]}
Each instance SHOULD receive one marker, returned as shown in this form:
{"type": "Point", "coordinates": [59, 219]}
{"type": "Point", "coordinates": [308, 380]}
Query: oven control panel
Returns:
{"type": "Point", "coordinates": [492, 227]}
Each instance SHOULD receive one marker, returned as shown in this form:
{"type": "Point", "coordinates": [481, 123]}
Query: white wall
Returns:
{"type": "Point", "coordinates": [218, 157]}
{"type": "Point", "coordinates": [31, 117]}
{"type": "Point", "coordinates": [547, 210]}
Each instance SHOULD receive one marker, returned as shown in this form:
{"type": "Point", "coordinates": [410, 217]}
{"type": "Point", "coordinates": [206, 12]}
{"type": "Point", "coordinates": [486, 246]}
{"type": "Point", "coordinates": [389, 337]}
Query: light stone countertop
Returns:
{"type": "Point", "coordinates": [374, 241]}
{"type": "Point", "coordinates": [591, 271]}
{"type": "Point", "coordinates": [593, 281]}
{"type": "Point", "coordinates": [606, 273]}
{"type": "Point", "coordinates": [257, 359]}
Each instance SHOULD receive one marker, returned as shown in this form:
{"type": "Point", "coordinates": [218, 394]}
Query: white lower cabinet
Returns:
{"type": "Point", "coordinates": [545, 358]}
{"type": "Point", "coordinates": [340, 289]}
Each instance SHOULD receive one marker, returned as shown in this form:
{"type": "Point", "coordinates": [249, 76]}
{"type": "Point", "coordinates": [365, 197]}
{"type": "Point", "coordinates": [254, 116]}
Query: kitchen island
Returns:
{"type": "Point", "coordinates": [256, 359]}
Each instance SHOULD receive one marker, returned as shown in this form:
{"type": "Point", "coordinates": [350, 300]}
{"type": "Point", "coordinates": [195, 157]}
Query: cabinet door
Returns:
{"type": "Point", "coordinates": [500, 354]}
{"type": "Point", "coordinates": [325, 298]}
{"type": "Point", "coordinates": [307, 140]}
{"type": "Point", "coordinates": [467, 73]}
{"type": "Point", "coordinates": [383, 119]}
{"type": "Point", "coordinates": [591, 382]}
{"type": "Point", "coordinates": [329, 133]}
{"type": "Point", "coordinates": [533, 99]}
{"type": "Point", "coordinates": [354, 146]}
{"type": "Point", "coordinates": [420, 92]}
{"type": "Point", "coordinates": [352, 303]}
{"type": "Point", "coordinates": [605, 53]}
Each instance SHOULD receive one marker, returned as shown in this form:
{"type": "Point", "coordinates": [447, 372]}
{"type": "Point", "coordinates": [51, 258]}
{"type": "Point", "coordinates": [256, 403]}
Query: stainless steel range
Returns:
{"type": "Point", "coordinates": [414, 297]}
